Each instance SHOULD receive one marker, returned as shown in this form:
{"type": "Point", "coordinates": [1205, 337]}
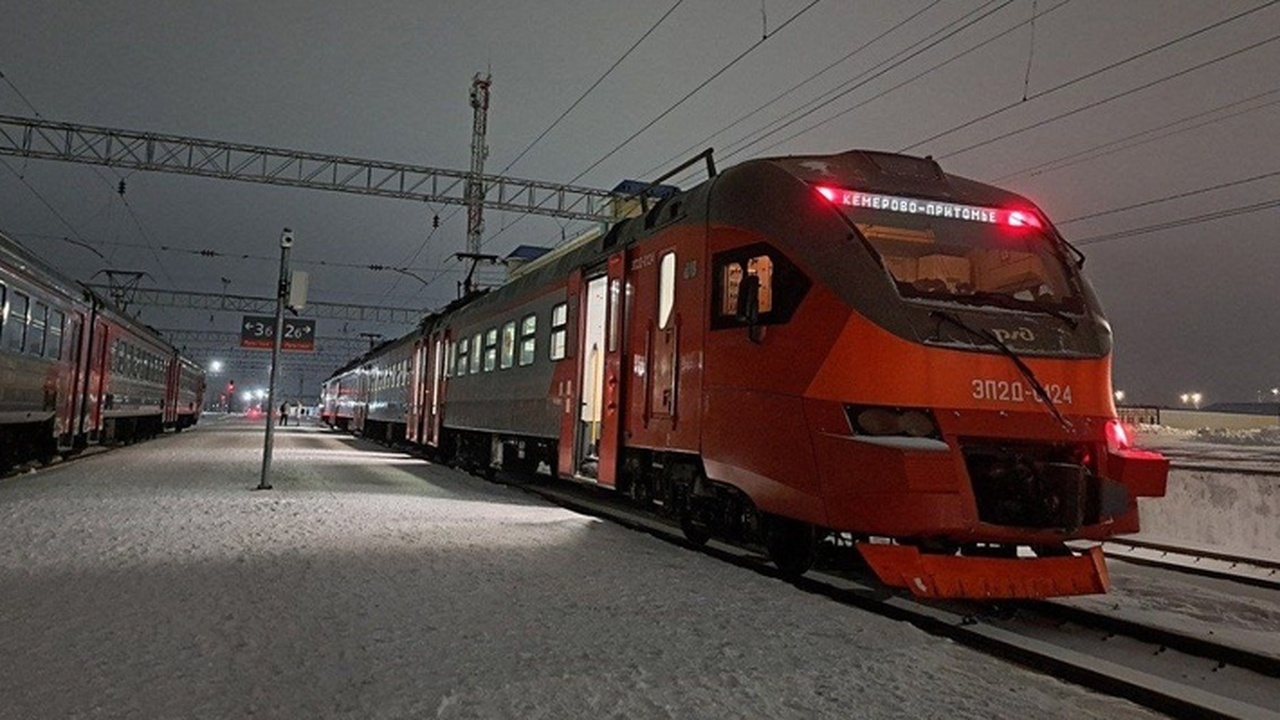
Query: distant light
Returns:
{"type": "Point", "coordinates": [215, 366]}
{"type": "Point", "coordinates": [247, 396]}
{"type": "Point", "coordinates": [1119, 394]}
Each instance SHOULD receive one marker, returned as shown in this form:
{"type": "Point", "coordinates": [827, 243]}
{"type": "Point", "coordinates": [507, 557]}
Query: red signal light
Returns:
{"type": "Point", "coordinates": [1117, 436]}
{"type": "Point", "coordinates": [1021, 218]}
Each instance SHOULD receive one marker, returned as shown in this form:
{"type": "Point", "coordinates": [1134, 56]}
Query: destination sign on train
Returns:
{"type": "Point", "coordinates": [932, 208]}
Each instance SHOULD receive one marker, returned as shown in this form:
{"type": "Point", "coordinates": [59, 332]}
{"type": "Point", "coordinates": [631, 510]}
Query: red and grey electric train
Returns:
{"type": "Point", "coordinates": [74, 370]}
{"type": "Point", "coordinates": [853, 348]}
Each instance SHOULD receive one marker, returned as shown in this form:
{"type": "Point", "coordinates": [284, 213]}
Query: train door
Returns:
{"type": "Point", "coordinates": [73, 354]}
{"type": "Point", "coordinates": [417, 391]}
{"type": "Point", "coordinates": [99, 378]}
{"type": "Point", "coordinates": [600, 355]}
{"type": "Point", "coordinates": [663, 345]}
{"type": "Point", "coordinates": [437, 385]}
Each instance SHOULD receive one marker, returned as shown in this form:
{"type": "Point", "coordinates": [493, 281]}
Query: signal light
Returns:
{"type": "Point", "coordinates": [1117, 436]}
{"type": "Point", "coordinates": [1021, 218]}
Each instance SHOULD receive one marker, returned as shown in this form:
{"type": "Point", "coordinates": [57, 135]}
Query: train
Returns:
{"type": "Point", "coordinates": [852, 350]}
{"type": "Point", "coordinates": [75, 370]}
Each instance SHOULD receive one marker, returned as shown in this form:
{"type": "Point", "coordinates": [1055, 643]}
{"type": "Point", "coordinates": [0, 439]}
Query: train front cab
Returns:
{"type": "Point", "coordinates": [883, 383]}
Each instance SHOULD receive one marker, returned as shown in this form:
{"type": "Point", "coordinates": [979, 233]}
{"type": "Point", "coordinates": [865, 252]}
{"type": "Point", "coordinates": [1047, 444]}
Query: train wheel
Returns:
{"type": "Point", "coordinates": [791, 545]}
{"type": "Point", "coordinates": [694, 532]}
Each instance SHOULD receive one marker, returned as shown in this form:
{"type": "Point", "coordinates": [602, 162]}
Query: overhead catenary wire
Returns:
{"type": "Point", "coordinates": [916, 50]}
{"type": "Point", "coordinates": [1172, 197]}
{"type": "Point", "coordinates": [1111, 98]}
{"type": "Point", "coordinates": [594, 85]}
{"type": "Point", "coordinates": [1181, 222]}
{"type": "Point", "coordinates": [697, 89]}
{"type": "Point", "coordinates": [1142, 137]}
{"type": "Point", "coordinates": [543, 135]}
{"type": "Point", "coordinates": [96, 171]}
{"type": "Point", "coordinates": [877, 71]}
{"type": "Point", "coordinates": [1091, 74]}
{"type": "Point", "coordinates": [674, 106]}
{"type": "Point", "coordinates": [706, 141]}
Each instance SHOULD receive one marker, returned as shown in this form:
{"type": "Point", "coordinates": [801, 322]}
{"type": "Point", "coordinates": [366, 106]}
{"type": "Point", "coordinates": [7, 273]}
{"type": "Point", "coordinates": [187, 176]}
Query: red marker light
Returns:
{"type": "Point", "coordinates": [1019, 218]}
{"type": "Point", "coordinates": [1117, 436]}
{"type": "Point", "coordinates": [828, 193]}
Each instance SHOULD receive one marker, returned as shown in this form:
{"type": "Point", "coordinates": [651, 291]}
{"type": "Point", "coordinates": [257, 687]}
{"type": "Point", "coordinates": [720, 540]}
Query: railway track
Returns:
{"type": "Point", "coordinates": [1177, 674]}
{"type": "Point", "coordinates": [1257, 572]}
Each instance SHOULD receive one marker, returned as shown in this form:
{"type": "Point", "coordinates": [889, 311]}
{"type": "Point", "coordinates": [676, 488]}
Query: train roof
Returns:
{"type": "Point", "coordinates": [884, 172]}
{"type": "Point", "coordinates": [894, 174]}
{"type": "Point", "coordinates": [16, 254]}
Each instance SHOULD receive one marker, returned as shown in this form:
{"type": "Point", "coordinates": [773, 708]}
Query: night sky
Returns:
{"type": "Point", "coordinates": [1147, 130]}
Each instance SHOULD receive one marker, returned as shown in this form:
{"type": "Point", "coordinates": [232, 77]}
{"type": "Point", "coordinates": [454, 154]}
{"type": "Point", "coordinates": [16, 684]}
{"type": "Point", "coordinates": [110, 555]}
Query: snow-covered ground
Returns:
{"type": "Point", "coordinates": [1216, 508]}
{"type": "Point", "coordinates": [152, 582]}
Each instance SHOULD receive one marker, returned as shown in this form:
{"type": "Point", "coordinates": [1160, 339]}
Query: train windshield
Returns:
{"type": "Point", "coordinates": [961, 253]}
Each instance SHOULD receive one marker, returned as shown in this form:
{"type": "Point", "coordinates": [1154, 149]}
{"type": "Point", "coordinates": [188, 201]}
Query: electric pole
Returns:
{"type": "Point", "coordinates": [479, 151]}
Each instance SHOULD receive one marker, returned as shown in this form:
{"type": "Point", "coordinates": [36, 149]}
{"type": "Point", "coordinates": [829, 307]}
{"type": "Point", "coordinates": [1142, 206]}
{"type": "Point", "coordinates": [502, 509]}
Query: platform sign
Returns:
{"type": "Point", "coordinates": [257, 331]}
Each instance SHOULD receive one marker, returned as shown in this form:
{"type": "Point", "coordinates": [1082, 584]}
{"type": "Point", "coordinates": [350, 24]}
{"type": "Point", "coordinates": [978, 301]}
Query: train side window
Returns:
{"type": "Point", "coordinates": [15, 330]}
{"type": "Point", "coordinates": [528, 339]}
{"type": "Point", "coordinates": [477, 352]}
{"type": "Point", "coordinates": [36, 328]}
{"type": "Point", "coordinates": [448, 358]}
{"type": "Point", "coordinates": [508, 345]}
{"type": "Point", "coordinates": [730, 281]}
{"type": "Point", "coordinates": [491, 350]}
{"type": "Point", "coordinates": [53, 341]}
{"type": "Point", "coordinates": [731, 275]}
{"type": "Point", "coordinates": [615, 313]}
{"type": "Point", "coordinates": [559, 330]}
{"type": "Point", "coordinates": [666, 289]}
{"type": "Point", "coordinates": [462, 357]}
{"type": "Point", "coordinates": [781, 285]}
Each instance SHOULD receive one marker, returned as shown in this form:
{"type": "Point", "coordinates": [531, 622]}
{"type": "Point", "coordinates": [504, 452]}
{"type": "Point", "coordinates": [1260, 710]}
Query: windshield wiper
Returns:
{"type": "Point", "coordinates": [1004, 301]}
{"type": "Point", "coordinates": [990, 337]}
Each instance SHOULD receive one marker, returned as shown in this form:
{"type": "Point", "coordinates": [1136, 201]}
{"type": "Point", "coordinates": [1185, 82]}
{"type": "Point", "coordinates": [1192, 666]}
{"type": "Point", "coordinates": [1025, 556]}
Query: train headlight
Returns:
{"type": "Point", "coordinates": [887, 421]}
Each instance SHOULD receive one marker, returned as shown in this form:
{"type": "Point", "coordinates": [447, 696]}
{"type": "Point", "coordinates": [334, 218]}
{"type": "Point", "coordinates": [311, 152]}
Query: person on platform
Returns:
{"type": "Point", "coordinates": [284, 414]}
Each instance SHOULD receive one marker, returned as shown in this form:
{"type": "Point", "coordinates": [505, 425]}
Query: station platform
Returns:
{"type": "Point", "coordinates": [153, 581]}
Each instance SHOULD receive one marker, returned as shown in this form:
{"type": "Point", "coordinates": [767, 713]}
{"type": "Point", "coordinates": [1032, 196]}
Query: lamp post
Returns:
{"type": "Point", "coordinates": [282, 295]}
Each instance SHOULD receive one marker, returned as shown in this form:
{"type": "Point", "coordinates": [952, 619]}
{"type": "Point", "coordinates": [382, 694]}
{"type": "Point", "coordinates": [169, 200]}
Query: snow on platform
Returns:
{"type": "Point", "coordinates": [152, 582]}
{"type": "Point", "coordinates": [1215, 498]}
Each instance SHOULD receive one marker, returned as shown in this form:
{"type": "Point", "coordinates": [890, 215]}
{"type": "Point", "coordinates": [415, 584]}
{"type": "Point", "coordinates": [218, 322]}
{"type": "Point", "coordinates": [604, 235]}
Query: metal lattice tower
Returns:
{"type": "Point", "coordinates": [479, 151]}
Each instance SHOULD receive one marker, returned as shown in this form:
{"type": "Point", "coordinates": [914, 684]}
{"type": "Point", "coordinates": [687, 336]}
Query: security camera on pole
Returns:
{"type": "Point", "coordinates": [282, 294]}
